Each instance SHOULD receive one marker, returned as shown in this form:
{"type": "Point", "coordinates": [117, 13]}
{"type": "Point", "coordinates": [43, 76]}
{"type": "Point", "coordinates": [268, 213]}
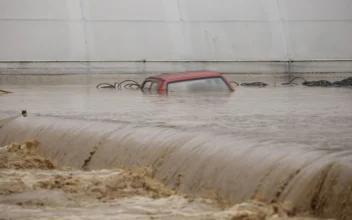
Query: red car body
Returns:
{"type": "Point", "coordinates": [159, 83]}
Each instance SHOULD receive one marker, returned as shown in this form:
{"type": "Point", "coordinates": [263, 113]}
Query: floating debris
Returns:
{"type": "Point", "coordinates": [325, 83]}
{"type": "Point", "coordinates": [321, 83]}
{"type": "Point", "coordinates": [345, 82]}
{"type": "Point", "coordinates": [24, 113]}
{"type": "Point", "coordinates": [292, 83]}
{"type": "Point", "coordinates": [118, 85]}
{"type": "Point", "coordinates": [259, 84]}
{"type": "Point", "coordinates": [5, 91]}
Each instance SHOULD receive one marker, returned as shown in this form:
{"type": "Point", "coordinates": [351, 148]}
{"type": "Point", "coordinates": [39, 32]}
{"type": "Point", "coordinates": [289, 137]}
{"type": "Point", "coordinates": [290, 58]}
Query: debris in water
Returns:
{"type": "Point", "coordinates": [325, 83]}
{"type": "Point", "coordinates": [24, 113]}
{"type": "Point", "coordinates": [5, 91]}
{"type": "Point", "coordinates": [322, 83]}
{"type": "Point", "coordinates": [118, 85]}
{"type": "Point", "coordinates": [259, 84]}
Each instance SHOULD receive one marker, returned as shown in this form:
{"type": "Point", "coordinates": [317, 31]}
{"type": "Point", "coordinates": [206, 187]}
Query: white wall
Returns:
{"type": "Point", "coordinates": [132, 30]}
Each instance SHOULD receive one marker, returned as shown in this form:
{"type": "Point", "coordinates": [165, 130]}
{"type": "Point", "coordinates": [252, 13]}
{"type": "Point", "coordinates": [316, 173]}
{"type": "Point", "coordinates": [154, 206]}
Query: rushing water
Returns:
{"type": "Point", "coordinates": [275, 122]}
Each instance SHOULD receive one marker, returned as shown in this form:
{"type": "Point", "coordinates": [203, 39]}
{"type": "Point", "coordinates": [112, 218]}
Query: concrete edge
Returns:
{"type": "Point", "coordinates": [151, 67]}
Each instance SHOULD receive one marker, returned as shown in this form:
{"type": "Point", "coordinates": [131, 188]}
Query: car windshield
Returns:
{"type": "Point", "coordinates": [205, 84]}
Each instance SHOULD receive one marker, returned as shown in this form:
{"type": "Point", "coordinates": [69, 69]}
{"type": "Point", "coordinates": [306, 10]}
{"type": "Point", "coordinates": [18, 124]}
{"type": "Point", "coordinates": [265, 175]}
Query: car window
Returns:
{"type": "Point", "coordinates": [146, 85]}
{"type": "Point", "coordinates": [155, 86]}
{"type": "Point", "coordinates": [206, 84]}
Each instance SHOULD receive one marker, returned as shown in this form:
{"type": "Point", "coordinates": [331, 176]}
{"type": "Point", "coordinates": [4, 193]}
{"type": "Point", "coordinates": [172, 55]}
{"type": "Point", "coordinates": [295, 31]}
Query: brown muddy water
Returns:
{"type": "Point", "coordinates": [280, 152]}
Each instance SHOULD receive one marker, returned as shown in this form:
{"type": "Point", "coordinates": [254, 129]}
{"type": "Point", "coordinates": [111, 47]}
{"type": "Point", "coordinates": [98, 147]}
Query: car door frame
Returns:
{"type": "Point", "coordinates": [152, 80]}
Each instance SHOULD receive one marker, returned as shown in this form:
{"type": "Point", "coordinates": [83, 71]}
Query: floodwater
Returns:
{"type": "Point", "coordinates": [317, 118]}
{"type": "Point", "coordinates": [284, 124]}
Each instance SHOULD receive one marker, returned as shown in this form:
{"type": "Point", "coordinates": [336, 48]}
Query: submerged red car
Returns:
{"type": "Point", "coordinates": [187, 81]}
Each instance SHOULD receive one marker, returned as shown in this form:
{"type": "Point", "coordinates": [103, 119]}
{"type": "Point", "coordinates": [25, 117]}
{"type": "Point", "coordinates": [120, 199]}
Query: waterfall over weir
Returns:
{"type": "Point", "coordinates": [198, 162]}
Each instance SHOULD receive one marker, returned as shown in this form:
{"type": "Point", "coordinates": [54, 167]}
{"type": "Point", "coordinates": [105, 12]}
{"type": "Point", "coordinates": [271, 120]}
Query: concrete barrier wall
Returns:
{"type": "Point", "coordinates": [175, 30]}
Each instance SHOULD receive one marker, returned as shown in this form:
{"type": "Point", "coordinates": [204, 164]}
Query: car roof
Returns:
{"type": "Point", "coordinates": [185, 75]}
